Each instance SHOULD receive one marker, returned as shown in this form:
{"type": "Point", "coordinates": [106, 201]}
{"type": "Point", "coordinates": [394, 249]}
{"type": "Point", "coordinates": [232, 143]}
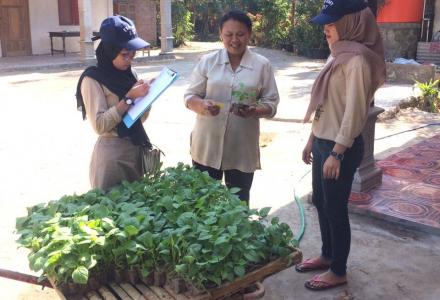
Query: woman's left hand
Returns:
{"type": "Point", "coordinates": [252, 111]}
{"type": "Point", "coordinates": [249, 111]}
{"type": "Point", "coordinates": [331, 168]}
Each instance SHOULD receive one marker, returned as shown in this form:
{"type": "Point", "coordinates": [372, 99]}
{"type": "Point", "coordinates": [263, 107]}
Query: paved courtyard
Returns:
{"type": "Point", "coordinates": [45, 150]}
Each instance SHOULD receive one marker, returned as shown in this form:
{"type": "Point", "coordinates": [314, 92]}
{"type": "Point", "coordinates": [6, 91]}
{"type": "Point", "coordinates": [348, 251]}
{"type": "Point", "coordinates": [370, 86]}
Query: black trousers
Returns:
{"type": "Point", "coordinates": [233, 178]}
{"type": "Point", "coordinates": [330, 197]}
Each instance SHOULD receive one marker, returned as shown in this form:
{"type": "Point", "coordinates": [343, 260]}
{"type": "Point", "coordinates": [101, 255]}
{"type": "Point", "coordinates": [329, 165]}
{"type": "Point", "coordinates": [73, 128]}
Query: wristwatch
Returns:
{"type": "Point", "coordinates": [127, 100]}
{"type": "Point", "coordinates": [338, 156]}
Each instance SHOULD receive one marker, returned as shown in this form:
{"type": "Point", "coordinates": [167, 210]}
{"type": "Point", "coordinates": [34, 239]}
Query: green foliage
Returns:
{"type": "Point", "coordinates": [275, 22]}
{"type": "Point", "coordinates": [430, 98]}
{"type": "Point", "coordinates": [244, 96]}
{"type": "Point", "coordinates": [308, 39]}
{"type": "Point", "coordinates": [273, 26]}
{"type": "Point", "coordinates": [206, 14]}
{"type": "Point", "coordinates": [201, 18]}
{"type": "Point", "coordinates": [183, 28]}
{"type": "Point", "coordinates": [178, 220]}
{"type": "Point", "coordinates": [80, 275]}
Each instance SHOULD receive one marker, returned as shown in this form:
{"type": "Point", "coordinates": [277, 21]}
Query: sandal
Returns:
{"type": "Point", "coordinates": [311, 264]}
{"type": "Point", "coordinates": [317, 284]}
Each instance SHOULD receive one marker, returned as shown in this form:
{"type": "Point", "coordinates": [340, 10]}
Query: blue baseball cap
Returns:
{"type": "Point", "coordinates": [120, 31]}
{"type": "Point", "coordinates": [333, 10]}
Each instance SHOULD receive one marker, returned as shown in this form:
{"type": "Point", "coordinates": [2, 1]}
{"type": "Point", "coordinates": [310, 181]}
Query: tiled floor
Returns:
{"type": "Point", "coordinates": [410, 192]}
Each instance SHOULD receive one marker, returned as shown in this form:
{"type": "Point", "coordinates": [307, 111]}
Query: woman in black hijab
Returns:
{"type": "Point", "coordinates": [104, 94]}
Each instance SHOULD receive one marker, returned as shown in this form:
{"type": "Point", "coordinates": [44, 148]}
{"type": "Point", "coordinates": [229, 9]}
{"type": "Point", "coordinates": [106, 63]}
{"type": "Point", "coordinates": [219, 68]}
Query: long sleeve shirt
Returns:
{"type": "Point", "coordinates": [343, 114]}
{"type": "Point", "coordinates": [100, 104]}
{"type": "Point", "coordinates": [227, 141]}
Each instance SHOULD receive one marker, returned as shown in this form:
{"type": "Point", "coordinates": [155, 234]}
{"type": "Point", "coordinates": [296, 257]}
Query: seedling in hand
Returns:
{"type": "Point", "coordinates": [243, 97]}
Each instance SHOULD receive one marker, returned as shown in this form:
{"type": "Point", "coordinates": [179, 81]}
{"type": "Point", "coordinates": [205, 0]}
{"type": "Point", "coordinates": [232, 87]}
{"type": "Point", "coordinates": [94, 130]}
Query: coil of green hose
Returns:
{"type": "Point", "coordinates": [302, 228]}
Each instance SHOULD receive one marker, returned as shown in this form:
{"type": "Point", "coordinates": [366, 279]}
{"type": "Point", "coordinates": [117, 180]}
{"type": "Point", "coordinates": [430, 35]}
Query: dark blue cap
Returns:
{"type": "Point", "coordinates": [120, 31]}
{"type": "Point", "coordinates": [333, 10]}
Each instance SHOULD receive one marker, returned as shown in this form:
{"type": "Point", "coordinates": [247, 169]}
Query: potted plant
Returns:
{"type": "Point", "coordinates": [243, 98]}
{"type": "Point", "coordinates": [429, 99]}
{"type": "Point", "coordinates": [119, 264]}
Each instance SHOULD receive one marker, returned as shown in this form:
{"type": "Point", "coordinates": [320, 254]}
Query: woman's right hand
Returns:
{"type": "Point", "coordinates": [201, 106]}
{"type": "Point", "coordinates": [209, 107]}
{"type": "Point", "coordinates": [307, 152]}
{"type": "Point", "coordinates": [139, 89]}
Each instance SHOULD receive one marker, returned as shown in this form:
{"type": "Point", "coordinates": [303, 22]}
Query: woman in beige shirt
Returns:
{"type": "Point", "coordinates": [225, 139]}
{"type": "Point", "coordinates": [105, 93]}
{"type": "Point", "coordinates": [341, 96]}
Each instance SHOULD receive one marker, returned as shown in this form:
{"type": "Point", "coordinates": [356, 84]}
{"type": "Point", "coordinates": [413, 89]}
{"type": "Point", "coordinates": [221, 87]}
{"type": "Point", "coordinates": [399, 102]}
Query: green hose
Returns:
{"type": "Point", "coordinates": [302, 228]}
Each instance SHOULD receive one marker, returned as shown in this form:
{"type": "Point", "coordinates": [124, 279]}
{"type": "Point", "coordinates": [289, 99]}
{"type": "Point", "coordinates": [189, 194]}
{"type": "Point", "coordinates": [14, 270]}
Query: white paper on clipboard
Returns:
{"type": "Point", "coordinates": [141, 104]}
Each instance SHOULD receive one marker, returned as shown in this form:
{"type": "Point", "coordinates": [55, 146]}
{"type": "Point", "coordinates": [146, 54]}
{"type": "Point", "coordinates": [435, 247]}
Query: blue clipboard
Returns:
{"type": "Point", "coordinates": [142, 104]}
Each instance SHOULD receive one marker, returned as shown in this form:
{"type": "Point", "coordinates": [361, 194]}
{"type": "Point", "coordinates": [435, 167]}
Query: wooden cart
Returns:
{"type": "Point", "coordinates": [234, 290]}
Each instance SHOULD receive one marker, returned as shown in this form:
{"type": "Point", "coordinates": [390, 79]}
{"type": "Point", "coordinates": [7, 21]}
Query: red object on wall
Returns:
{"type": "Point", "coordinates": [401, 11]}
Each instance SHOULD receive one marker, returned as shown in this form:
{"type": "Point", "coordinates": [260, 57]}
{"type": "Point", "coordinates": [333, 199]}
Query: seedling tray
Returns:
{"type": "Point", "coordinates": [232, 290]}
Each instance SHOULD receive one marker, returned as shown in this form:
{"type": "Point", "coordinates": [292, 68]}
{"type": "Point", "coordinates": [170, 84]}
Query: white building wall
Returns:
{"type": "Point", "coordinates": [43, 15]}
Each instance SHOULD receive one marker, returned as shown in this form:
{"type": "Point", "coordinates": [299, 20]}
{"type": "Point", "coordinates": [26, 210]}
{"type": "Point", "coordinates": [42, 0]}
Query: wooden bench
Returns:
{"type": "Point", "coordinates": [63, 35]}
{"type": "Point", "coordinates": [146, 49]}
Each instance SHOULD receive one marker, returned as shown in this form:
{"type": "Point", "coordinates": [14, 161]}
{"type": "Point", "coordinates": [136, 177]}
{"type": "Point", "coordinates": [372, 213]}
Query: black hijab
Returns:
{"type": "Point", "coordinates": [118, 82]}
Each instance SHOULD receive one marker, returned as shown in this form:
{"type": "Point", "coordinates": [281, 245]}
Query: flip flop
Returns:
{"type": "Point", "coordinates": [310, 264]}
{"type": "Point", "coordinates": [317, 284]}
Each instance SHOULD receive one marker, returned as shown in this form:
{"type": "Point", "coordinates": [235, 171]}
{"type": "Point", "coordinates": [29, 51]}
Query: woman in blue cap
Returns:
{"type": "Point", "coordinates": [340, 100]}
{"type": "Point", "coordinates": [104, 94]}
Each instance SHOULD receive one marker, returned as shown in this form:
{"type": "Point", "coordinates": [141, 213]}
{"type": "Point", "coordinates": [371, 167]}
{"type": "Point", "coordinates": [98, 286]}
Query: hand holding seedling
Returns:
{"type": "Point", "coordinates": [245, 111]}
{"type": "Point", "coordinates": [243, 98]}
{"type": "Point", "coordinates": [210, 108]}
{"type": "Point", "coordinates": [242, 95]}
{"type": "Point", "coordinates": [203, 106]}
{"type": "Point", "coordinates": [251, 111]}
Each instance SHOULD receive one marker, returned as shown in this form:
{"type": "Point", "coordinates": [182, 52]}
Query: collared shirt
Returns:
{"type": "Point", "coordinates": [343, 114]}
{"type": "Point", "coordinates": [227, 141]}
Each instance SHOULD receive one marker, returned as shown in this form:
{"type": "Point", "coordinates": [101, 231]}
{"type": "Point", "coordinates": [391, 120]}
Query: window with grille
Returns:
{"type": "Point", "coordinates": [68, 12]}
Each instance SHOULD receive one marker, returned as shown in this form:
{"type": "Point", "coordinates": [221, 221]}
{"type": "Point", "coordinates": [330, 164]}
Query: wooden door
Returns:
{"type": "Point", "coordinates": [14, 28]}
{"type": "Point", "coordinates": [127, 9]}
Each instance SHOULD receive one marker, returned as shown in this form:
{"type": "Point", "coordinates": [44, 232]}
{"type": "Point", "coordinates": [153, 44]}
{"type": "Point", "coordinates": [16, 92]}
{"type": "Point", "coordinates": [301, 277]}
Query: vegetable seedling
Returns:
{"type": "Point", "coordinates": [243, 98]}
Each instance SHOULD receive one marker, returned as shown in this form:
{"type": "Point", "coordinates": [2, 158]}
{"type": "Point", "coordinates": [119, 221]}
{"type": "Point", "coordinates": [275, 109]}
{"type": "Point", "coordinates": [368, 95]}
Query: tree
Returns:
{"type": "Point", "coordinates": [308, 39]}
{"type": "Point", "coordinates": [292, 11]}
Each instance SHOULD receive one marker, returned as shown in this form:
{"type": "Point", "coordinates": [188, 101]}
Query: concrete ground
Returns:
{"type": "Point", "coordinates": [45, 150]}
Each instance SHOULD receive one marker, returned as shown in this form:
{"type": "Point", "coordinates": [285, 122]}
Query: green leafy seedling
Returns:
{"type": "Point", "coordinates": [242, 95]}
